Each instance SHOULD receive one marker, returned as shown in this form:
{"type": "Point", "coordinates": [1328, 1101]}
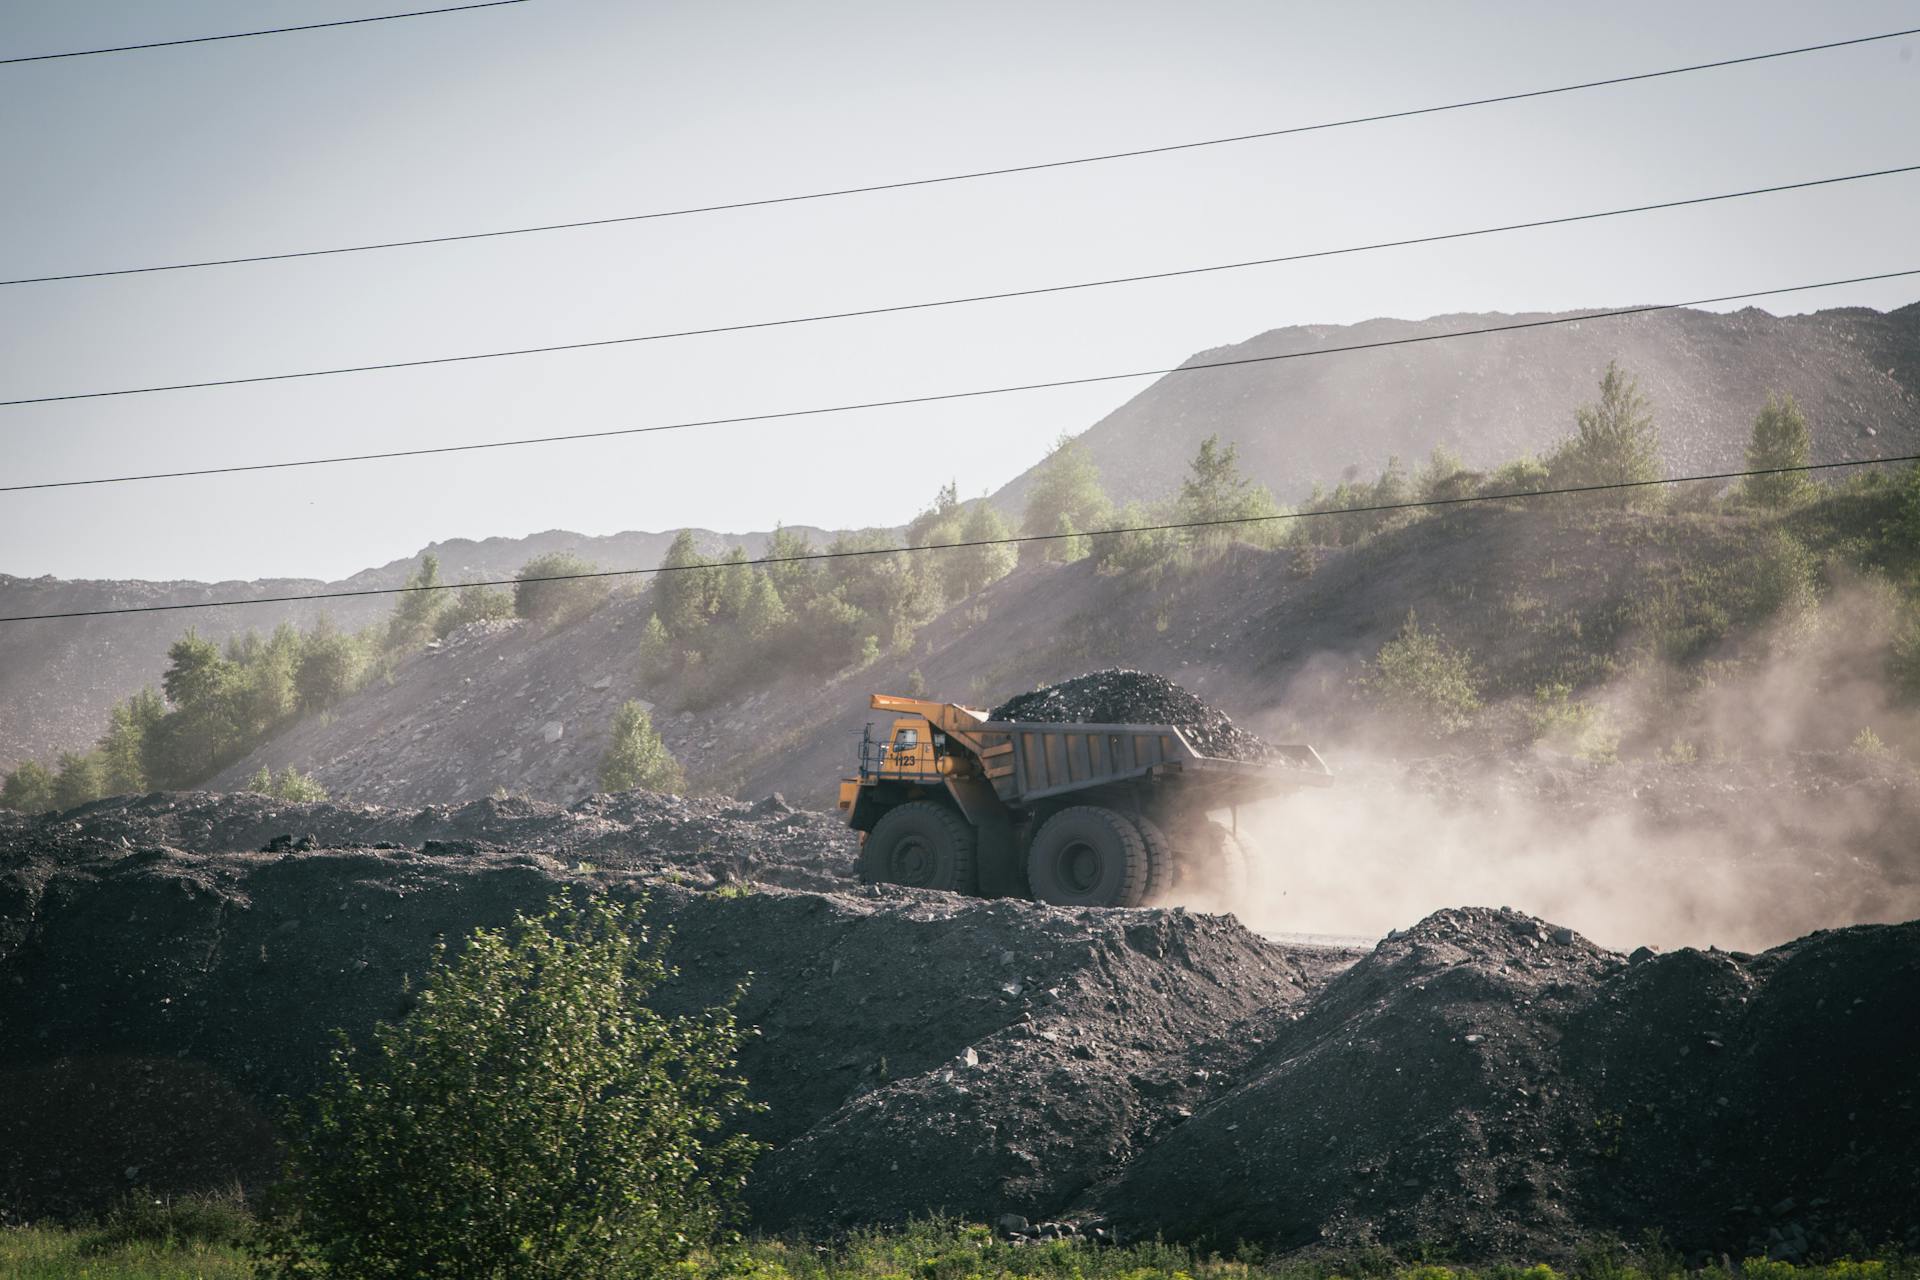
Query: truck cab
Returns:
{"type": "Point", "coordinates": [910, 751]}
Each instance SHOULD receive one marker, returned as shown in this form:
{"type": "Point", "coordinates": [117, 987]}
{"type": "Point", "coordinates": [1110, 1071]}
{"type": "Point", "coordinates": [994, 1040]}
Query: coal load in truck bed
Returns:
{"type": "Point", "coordinates": [1135, 697]}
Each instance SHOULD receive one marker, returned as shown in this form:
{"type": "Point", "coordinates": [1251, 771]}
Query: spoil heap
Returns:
{"type": "Point", "coordinates": [1484, 1079]}
{"type": "Point", "coordinates": [1495, 1082]}
{"type": "Point", "coordinates": [168, 1000]}
{"type": "Point", "coordinates": [1135, 697]}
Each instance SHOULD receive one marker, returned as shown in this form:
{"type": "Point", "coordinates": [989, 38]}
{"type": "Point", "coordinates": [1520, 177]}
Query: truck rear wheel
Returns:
{"type": "Point", "coordinates": [1089, 856]}
{"type": "Point", "coordinates": [921, 844]}
{"type": "Point", "coordinates": [1212, 862]}
{"type": "Point", "coordinates": [1160, 859]}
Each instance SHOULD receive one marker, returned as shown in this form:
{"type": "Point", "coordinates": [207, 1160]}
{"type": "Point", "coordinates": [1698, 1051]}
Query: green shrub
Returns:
{"type": "Point", "coordinates": [1903, 661]}
{"type": "Point", "coordinates": [1525, 474]}
{"type": "Point", "coordinates": [291, 785]}
{"type": "Point", "coordinates": [142, 1217]}
{"type": "Point", "coordinates": [473, 603]}
{"type": "Point", "coordinates": [554, 589]}
{"type": "Point", "coordinates": [636, 757]}
{"type": "Point", "coordinates": [1133, 552]}
{"type": "Point", "coordinates": [28, 789]}
{"type": "Point", "coordinates": [531, 1118]}
{"type": "Point", "coordinates": [1424, 680]}
{"type": "Point", "coordinates": [1569, 724]}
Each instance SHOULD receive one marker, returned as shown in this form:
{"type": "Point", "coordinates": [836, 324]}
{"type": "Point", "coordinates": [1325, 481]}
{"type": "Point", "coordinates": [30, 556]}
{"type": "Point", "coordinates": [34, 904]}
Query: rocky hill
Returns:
{"type": "Point", "coordinates": [1491, 398]}
{"type": "Point", "coordinates": [58, 679]}
{"type": "Point", "coordinates": [1750, 781]}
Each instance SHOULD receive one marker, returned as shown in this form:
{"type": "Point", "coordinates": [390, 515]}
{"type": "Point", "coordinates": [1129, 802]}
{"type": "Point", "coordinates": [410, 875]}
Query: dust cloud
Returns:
{"type": "Point", "coordinates": [1770, 797]}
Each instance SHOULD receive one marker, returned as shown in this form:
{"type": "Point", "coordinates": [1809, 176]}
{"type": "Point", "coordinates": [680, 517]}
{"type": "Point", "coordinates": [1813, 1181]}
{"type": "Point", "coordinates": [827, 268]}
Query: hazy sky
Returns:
{"type": "Point", "coordinates": [561, 109]}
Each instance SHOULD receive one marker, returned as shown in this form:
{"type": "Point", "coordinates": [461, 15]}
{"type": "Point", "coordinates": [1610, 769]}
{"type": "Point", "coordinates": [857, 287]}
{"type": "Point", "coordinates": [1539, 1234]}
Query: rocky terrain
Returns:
{"type": "Point", "coordinates": [1855, 371]}
{"type": "Point", "coordinates": [1483, 1076]}
{"type": "Point", "coordinates": [58, 679]}
{"type": "Point", "coordinates": [1271, 636]}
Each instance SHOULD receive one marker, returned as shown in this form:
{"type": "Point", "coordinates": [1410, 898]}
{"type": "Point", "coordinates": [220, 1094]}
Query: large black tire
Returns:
{"type": "Point", "coordinates": [922, 844]}
{"type": "Point", "coordinates": [1212, 860]}
{"type": "Point", "coordinates": [1160, 860]}
{"type": "Point", "coordinates": [1088, 856]}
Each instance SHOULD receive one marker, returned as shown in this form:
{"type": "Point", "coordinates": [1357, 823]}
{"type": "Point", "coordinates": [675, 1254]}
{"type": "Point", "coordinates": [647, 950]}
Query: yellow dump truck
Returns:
{"type": "Point", "coordinates": [1111, 815]}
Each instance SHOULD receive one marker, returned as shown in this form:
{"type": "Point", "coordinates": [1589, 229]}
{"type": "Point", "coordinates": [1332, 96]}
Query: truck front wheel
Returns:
{"type": "Point", "coordinates": [1088, 856]}
{"type": "Point", "coordinates": [921, 844]}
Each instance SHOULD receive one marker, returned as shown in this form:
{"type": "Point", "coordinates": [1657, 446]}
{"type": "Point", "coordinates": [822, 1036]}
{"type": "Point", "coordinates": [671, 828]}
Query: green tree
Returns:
{"type": "Point", "coordinates": [656, 649]}
{"type": "Point", "coordinates": [196, 673]}
{"type": "Point", "coordinates": [1616, 441]}
{"type": "Point", "coordinates": [123, 747]}
{"type": "Point", "coordinates": [200, 733]}
{"type": "Point", "coordinates": [1437, 478]}
{"type": "Point", "coordinates": [683, 592]}
{"type": "Point", "coordinates": [28, 789]}
{"type": "Point", "coordinates": [417, 608]}
{"type": "Point", "coordinates": [554, 589]}
{"type": "Point", "coordinates": [531, 1118]}
{"type": "Point", "coordinates": [79, 780]}
{"type": "Point", "coordinates": [794, 577]}
{"type": "Point", "coordinates": [966, 570]}
{"type": "Point", "coordinates": [261, 693]}
{"type": "Point", "coordinates": [1215, 490]}
{"type": "Point", "coordinates": [329, 670]}
{"type": "Point", "coordinates": [1780, 439]}
{"type": "Point", "coordinates": [892, 592]}
{"type": "Point", "coordinates": [636, 757]}
{"type": "Point", "coordinates": [1065, 497]}
{"type": "Point", "coordinates": [938, 523]}
{"type": "Point", "coordinates": [732, 585]}
{"type": "Point", "coordinates": [1421, 678]}
{"type": "Point", "coordinates": [763, 614]}
{"type": "Point", "coordinates": [1906, 518]}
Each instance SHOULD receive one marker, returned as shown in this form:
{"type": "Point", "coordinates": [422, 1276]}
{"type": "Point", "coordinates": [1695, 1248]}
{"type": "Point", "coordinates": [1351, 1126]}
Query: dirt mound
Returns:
{"type": "Point", "coordinates": [1484, 1078]}
{"type": "Point", "coordinates": [1495, 1081]}
{"type": "Point", "coordinates": [703, 839]}
{"type": "Point", "coordinates": [1135, 697]}
{"type": "Point", "coordinates": [237, 963]}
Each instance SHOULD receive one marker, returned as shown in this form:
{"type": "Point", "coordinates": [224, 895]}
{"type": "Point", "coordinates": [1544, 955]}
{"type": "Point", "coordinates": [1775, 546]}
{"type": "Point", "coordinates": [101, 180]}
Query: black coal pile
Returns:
{"type": "Point", "coordinates": [1504, 1085]}
{"type": "Point", "coordinates": [1135, 697]}
{"type": "Point", "coordinates": [1485, 1079]}
{"type": "Point", "coordinates": [702, 839]}
{"type": "Point", "coordinates": [159, 1002]}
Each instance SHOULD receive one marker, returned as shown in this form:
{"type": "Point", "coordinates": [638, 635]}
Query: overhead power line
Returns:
{"type": "Point", "coordinates": [1008, 541]}
{"type": "Point", "coordinates": [598, 343]}
{"type": "Point", "coordinates": [975, 393]}
{"type": "Point", "coordinates": [268, 31]}
{"type": "Point", "coordinates": [1091, 284]}
{"type": "Point", "coordinates": [903, 184]}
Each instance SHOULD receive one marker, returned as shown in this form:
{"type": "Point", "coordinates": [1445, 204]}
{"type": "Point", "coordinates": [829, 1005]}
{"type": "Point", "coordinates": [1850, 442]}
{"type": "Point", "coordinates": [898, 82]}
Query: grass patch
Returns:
{"type": "Point", "coordinates": [942, 1250]}
{"type": "Point", "coordinates": [50, 1253]}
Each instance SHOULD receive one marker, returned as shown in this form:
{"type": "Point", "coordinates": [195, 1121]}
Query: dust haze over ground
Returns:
{"type": "Point", "coordinates": [1747, 815]}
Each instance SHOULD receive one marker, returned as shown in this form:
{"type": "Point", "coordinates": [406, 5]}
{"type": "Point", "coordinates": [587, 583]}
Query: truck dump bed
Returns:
{"type": "Point", "coordinates": [1029, 761]}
